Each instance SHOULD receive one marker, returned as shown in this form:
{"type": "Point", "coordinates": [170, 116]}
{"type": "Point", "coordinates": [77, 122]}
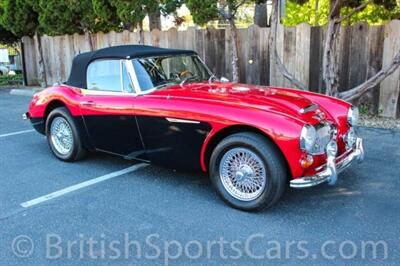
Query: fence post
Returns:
{"type": "Point", "coordinates": [389, 93]}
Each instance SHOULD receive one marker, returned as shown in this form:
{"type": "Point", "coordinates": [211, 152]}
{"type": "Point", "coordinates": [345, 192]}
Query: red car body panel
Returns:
{"type": "Point", "coordinates": [274, 111]}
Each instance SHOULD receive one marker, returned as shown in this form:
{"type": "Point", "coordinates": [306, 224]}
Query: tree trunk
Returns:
{"type": "Point", "coordinates": [155, 20]}
{"type": "Point", "coordinates": [141, 33]}
{"type": "Point", "coordinates": [330, 71]}
{"type": "Point", "coordinates": [88, 37]}
{"type": "Point", "coordinates": [274, 52]}
{"type": "Point", "coordinates": [316, 13]}
{"type": "Point", "coordinates": [128, 26]}
{"type": "Point", "coordinates": [235, 52]}
{"type": "Point", "coordinates": [221, 19]}
{"type": "Point", "coordinates": [330, 62]}
{"type": "Point", "coordinates": [260, 14]}
{"type": "Point", "coordinates": [372, 82]}
{"type": "Point", "coordinates": [42, 69]}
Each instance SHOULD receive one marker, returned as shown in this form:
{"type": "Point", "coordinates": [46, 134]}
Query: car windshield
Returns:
{"type": "Point", "coordinates": [158, 72]}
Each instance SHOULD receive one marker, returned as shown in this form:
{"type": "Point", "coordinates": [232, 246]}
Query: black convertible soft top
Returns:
{"type": "Point", "coordinates": [77, 77]}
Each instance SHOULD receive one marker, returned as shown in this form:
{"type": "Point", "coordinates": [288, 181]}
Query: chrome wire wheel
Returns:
{"type": "Point", "coordinates": [243, 174]}
{"type": "Point", "coordinates": [61, 135]}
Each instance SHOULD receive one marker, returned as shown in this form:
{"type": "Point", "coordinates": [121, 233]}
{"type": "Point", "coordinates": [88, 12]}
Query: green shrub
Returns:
{"type": "Point", "coordinates": [11, 80]}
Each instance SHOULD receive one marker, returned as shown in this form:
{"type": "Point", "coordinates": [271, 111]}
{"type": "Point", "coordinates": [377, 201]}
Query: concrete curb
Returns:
{"type": "Point", "coordinates": [29, 92]}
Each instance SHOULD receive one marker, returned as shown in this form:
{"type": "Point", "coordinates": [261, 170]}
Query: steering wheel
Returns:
{"type": "Point", "coordinates": [185, 73]}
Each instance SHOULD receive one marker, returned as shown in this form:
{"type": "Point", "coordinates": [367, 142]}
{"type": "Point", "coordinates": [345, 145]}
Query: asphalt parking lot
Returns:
{"type": "Point", "coordinates": [155, 215]}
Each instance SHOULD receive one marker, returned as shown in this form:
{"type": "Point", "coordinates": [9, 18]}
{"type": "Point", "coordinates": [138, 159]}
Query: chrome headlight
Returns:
{"type": "Point", "coordinates": [352, 116]}
{"type": "Point", "coordinates": [308, 137]}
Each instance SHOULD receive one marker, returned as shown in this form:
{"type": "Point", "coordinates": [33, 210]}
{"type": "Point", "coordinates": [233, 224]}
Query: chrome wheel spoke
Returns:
{"type": "Point", "coordinates": [61, 135]}
{"type": "Point", "coordinates": [243, 174]}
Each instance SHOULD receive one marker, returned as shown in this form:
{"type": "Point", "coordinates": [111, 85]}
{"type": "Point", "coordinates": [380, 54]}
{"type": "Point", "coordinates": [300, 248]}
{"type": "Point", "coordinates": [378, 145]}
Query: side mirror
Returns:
{"type": "Point", "coordinates": [224, 80]}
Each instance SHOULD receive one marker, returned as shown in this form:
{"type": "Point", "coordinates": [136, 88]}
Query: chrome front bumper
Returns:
{"type": "Point", "coordinates": [329, 171]}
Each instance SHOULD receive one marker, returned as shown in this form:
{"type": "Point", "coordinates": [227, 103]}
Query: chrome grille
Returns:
{"type": "Point", "coordinates": [324, 135]}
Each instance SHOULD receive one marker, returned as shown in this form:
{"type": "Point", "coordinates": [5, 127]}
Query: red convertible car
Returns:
{"type": "Point", "coordinates": [164, 106]}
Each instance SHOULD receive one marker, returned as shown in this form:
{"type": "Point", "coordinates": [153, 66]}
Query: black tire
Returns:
{"type": "Point", "coordinates": [77, 151]}
{"type": "Point", "coordinates": [274, 165]}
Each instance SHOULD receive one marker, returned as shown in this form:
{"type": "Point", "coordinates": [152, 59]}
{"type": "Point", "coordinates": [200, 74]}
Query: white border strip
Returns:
{"type": "Point", "coordinates": [90, 182]}
{"type": "Point", "coordinates": [16, 133]}
{"type": "Point", "coordinates": [176, 120]}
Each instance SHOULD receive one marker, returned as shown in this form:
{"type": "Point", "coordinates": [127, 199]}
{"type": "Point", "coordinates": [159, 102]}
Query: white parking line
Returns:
{"type": "Point", "coordinates": [16, 133]}
{"type": "Point", "coordinates": [90, 182]}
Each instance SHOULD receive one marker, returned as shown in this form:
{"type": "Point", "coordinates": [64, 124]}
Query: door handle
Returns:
{"type": "Point", "coordinates": [87, 103]}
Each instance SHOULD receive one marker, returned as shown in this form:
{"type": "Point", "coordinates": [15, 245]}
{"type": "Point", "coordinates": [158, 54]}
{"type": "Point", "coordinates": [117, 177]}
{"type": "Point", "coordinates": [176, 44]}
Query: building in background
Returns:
{"type": "Point", "coordinates": [10, 63]}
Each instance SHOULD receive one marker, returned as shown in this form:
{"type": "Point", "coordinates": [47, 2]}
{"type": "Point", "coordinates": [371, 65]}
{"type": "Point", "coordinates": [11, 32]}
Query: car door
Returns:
{"type": "Point", "coordinates": [170, 138]}
{"type": "Point", "coordinates": [170, 141]}
{"type": "Point", "coordinates": [107, 109]}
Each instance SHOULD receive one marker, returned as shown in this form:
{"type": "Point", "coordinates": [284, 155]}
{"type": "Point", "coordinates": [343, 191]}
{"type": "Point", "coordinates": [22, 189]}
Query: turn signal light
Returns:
{"type": "Point", "coordinates": [306, 161]}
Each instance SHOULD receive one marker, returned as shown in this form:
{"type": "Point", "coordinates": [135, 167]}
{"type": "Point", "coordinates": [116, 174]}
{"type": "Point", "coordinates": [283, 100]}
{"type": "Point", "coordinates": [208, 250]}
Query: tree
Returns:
{"type": "Point", "coordinates": [169, 7]}
{"type": "Point", "coordinates": [260, 13]}
{"type": "Point", "coordinates": [315, 12]}
{"type": "Point", "coordinates": [105, 12]}
{"type": "Point", "coordinates": [20, 18]}
{"type": "Point", "coordinates": [9, 41]}
{"type": "Point", "coordinates": [7, 37]}
{"type": "Point", "coordinates": [312, 12]}
{"type": "Point", "coordinates": [330, 61]}
{"type": "Point", "coordinates": [57, 17]}
{"type": "Point", "coordinates": [161, 8]}
{"type": "Point", "coordinates": [204, 11]}
{"type": "Point", "coordinates": [131, 13]}
{"type": "Point", "coordinates": [274, 52]}
{"type": "Point", "coordinates": [155, 20]}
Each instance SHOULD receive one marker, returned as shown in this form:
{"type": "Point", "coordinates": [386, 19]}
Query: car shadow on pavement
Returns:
{"type": "Point", "coordinates": [353, 183]}
{"type": "Point", "coordinates": [310, 199]}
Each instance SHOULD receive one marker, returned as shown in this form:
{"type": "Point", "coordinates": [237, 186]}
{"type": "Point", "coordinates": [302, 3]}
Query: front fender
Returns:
{"type": "Point", "coordinates": [281, 129]}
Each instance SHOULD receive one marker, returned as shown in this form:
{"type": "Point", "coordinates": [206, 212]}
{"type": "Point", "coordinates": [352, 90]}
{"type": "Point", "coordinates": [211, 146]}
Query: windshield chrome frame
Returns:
{"type": "Point", "coordinates": [132, 72]}
{"type": "Point", "coordinates": [133, 77]}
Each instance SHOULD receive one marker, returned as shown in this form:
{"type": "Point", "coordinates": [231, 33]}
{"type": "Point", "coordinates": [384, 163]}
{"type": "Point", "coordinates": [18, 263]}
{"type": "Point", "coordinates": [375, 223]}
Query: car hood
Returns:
{"type": "Point", "coordinates": [287, 101]}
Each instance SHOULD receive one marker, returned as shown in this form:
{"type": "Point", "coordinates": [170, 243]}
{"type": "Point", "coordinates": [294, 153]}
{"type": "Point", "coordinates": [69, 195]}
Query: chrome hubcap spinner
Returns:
{"type": "Point", "coordinates": [243, 174]}
{"type": "Point", "coordinates": [61, 135]}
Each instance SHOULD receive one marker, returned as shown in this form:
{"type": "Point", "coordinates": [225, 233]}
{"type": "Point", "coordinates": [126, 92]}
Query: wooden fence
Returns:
{"type": "Point", "coordinates": [363, 50]}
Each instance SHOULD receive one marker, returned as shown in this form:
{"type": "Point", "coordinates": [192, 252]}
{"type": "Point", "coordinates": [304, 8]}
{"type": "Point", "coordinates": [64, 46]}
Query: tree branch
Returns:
{"type": "Point", "coordinates": [371, 82]}
{"type": "Point", "coordinates": [297, 83]}
{"type": "Point", "coordinates": [232, 10]}
{"type": "Point", "coordinates": [239, 5]}
{"type": "Point", "coordinates": [353, 11]}
{"type": "Point", "coordinates": [316, 14]}
{"type": "Point", "coordinates": [222, 13]}
{"type": "Point", "coordinates": [335, 10]}
{"type": "Point", "coordinates": [272, 43]}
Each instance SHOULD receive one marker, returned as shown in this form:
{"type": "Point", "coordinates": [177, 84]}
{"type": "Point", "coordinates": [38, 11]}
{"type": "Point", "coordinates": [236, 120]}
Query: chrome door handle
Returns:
{"type": "Point", "coordinates": [87, 103]}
